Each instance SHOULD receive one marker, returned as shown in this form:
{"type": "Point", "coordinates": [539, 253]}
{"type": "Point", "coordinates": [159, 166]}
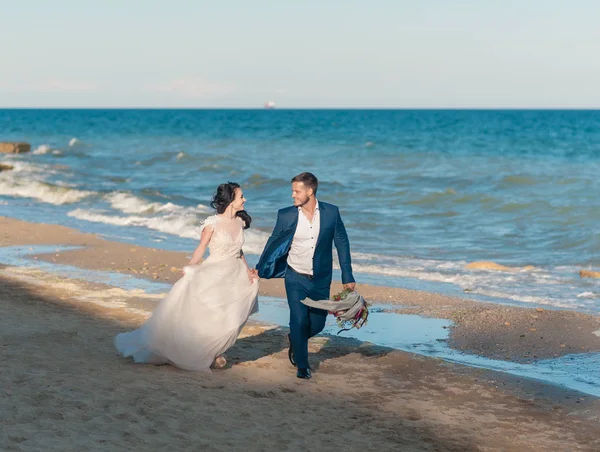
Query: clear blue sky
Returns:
{"type": "Point", "coordinates": [327, 53]}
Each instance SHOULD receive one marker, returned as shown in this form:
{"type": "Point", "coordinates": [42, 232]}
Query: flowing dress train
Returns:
{"type": "Point", "coordinates": [203, 314]}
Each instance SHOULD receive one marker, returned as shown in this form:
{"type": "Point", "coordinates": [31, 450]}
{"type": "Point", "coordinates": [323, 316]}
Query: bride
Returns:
{"type": "Point", "coordinates": [206, 309]}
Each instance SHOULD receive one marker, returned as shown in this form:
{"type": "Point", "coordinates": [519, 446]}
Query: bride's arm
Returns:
{"type": "Point", "coordinates": [252, 274]}
{"type": "Point", "coordinates": [242, 257]}
{"type": "Point", "coordinates": [204, 240]}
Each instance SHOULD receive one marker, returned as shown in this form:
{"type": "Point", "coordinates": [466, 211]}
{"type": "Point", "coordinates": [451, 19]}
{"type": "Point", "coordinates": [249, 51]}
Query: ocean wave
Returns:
{"type": "Point", "coordinates": [498, 286]}
{"type": "Point", "coordinates": [42, 149]}
{"type": "Point", "coordinates": [529, 207]}
{"type": "Point", "coordinates": [434, 198]}
{"type": "Point", "coordinates": [47, 193]}
{"type": "Point", "coordinates": [27, 180]}
{"type": "Point", "coordinates": [129, 203]}
{"type": "Point", "coordinates": [417, 272]}
{"type": "Point", "coordinates": [255, 241]}
{"type": "Point", "coordinates": [179, 224]}
{"type": "Point", "coordinates": [451, 197]}
{"type": "Point", "coordinates": [532, 299]}
{"type": "Point", "coordinates": [261, 180]}
{"type": "Point", "coordinates": [29, 169]}
{"type": "Point", "coordinates": [542, 286]}
{"type": "Point", "coordinates": [405, 263]}
{"type": "Point", "coordinates": [518, 180]}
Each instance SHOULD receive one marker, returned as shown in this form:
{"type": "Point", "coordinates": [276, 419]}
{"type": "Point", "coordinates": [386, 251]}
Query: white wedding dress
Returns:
{"type": "Point", "coordinates": [205, 310]}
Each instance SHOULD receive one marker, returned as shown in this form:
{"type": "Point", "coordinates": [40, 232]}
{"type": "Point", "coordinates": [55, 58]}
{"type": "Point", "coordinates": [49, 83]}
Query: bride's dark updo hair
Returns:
{"type": "Point", "coordinates": [224, 196]}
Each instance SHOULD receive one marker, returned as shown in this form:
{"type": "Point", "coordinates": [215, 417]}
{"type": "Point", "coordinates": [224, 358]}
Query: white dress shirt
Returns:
{"type": "Point", "coordinates": [300, 257]}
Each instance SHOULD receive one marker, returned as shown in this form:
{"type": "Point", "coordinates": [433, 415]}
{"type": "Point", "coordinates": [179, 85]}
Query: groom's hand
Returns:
{"type": "Point", "coordinates": [350, 286]}
{"type": "Point", "coordinates": [252, 275]}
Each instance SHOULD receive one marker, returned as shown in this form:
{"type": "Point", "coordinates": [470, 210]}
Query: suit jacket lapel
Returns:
{"type": "Point", "coordinates": [294, 221]}
{"type": "Point", "coordinates": [291, 229]}
{"type": "Point", "coordinates": [322, 213]}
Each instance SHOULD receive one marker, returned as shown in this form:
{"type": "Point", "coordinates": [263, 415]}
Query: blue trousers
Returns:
{"type": "Point", "coordinates": [305, 322]}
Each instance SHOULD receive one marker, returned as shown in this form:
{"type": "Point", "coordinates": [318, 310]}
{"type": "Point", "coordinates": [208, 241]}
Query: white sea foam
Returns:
{"type": "Point", "coordinates": [40, 150]}
{"type": "Point", "coordinates": [180, 224]}
{"type": "Point", "coordinates": [62, 183]}
{"type": "Point", "coordinates": [48, 193]}
{"type": "Point", "coordinates": [74, 142]}
{"type": "Point", "coordinates": [125, 209]}
{"type": "Point", "coordinates": [453, 271]}
{"type": "Point", "coordinates": [548, 301]}
{"type": "Point", "coordinates": [26, 180]}
{"type": "Point", "coordinates": [255, 241]}
{"type": "Point", "coordinates": [128, 203]}
{"type": "Point", "coordinates": [28, 169]}
{"type": "Point", "coordinates": [500, 285]}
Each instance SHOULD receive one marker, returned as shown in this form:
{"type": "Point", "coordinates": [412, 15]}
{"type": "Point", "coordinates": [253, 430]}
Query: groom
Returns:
{"type": "Point", "coordinates": [300, 250]}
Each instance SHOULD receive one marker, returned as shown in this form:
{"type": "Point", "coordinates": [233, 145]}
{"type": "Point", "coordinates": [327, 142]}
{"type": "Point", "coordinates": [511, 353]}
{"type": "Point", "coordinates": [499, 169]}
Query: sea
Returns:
{"type": "Point", "coordinates": [423, 193]}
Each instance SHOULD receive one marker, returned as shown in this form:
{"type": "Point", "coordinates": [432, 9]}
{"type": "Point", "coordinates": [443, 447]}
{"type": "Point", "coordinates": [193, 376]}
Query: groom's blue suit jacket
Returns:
{"type": "Point", "coordinates": [273, 261]}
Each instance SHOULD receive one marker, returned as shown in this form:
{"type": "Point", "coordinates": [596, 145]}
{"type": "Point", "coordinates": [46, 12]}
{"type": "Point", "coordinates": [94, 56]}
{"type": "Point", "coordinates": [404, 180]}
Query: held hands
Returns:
{"type": "Point", "coordinates": [350, 286]}
{"type": "Point", "coordinates": [252, 275]}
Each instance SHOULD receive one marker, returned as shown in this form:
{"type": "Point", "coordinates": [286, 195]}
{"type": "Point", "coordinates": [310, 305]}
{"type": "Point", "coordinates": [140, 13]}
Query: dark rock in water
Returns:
{"type": "Point", "coordinates": [4, 167]}
{"type": "Point", "coordinates": [14, 148]}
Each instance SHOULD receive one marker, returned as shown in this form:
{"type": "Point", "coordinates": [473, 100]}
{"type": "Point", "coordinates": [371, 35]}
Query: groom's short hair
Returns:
{"type": "Point", "coordinates": [308, 179]}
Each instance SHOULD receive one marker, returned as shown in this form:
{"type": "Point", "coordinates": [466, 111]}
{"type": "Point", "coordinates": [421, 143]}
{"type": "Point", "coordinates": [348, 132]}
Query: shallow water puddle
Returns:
{"type": "Point", "coordinates": [17, 256]}
{"type": "Point", "coordinates": [428, 337]}
{"type": "Point", "coordinates": [412, 333]}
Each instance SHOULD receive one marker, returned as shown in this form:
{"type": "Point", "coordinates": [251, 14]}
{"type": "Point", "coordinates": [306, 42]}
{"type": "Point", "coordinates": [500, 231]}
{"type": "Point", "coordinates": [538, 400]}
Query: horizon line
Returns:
{"type": "Point", "coordinates": [316, 108]}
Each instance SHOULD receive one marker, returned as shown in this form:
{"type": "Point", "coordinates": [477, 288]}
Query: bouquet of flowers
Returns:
{"type": "Point", "coordinates": [356, 315]}
{"type": "Point", "coordinates": [349, 308]}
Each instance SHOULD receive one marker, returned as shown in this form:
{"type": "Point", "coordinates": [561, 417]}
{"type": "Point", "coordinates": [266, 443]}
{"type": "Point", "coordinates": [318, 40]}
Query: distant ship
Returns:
{"type": "Point", "coordinates": [270, 105]}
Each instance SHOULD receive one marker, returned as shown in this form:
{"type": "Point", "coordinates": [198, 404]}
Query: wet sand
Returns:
{"type": "Point", "coordinates": [490, 330]}
{"type": "Point", "coordinates": [65, 388]}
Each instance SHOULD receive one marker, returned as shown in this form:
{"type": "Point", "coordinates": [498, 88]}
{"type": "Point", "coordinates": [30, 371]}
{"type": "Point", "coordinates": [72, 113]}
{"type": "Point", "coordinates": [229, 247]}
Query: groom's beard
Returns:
{"type": "Point", "coordinates": [301, 203]}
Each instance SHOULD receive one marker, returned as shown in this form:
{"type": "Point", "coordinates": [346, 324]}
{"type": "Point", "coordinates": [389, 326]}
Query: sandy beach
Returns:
{"type": "Point", "coordinates": [65, 388]}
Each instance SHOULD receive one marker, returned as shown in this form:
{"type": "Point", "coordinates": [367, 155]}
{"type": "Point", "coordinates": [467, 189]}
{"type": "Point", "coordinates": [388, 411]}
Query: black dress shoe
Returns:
{"type": "Point", "coordinates": [304, 374]}
{"type": "Point", "coordinates": [291, 351]}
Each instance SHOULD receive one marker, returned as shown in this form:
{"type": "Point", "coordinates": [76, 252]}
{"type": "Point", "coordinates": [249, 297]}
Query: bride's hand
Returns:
{"type": "Point", "coordinates": [252, 274]}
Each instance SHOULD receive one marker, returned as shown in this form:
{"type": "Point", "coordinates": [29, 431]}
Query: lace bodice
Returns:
{"type": "Point", "coordinates": [227, 238]}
